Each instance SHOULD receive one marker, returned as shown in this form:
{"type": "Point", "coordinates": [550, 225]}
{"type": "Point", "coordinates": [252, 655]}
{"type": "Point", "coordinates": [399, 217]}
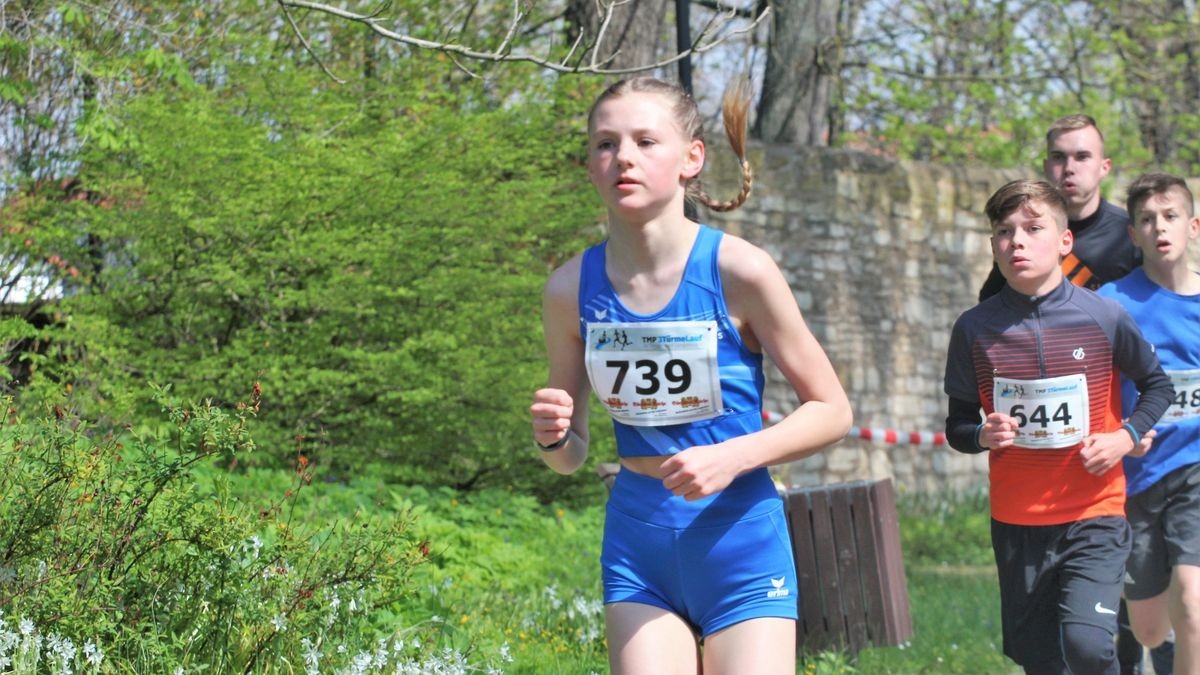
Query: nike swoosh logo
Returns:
{"type": "Point", "coordinates": [1100, 609]}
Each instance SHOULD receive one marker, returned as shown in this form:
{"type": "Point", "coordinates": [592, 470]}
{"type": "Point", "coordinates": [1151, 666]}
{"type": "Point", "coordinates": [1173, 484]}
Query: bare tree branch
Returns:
{"type": "Point", "coordinates": [307, 48]}
{"type": "Point", "coordinates": [708, 39]}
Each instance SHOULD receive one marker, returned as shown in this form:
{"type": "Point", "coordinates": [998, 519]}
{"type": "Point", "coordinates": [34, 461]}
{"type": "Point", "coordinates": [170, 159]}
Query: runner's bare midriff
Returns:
{"type": "Point", "coordinates": [647, 466]}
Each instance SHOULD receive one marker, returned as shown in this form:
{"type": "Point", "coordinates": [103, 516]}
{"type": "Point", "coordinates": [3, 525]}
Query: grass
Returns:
{"type": "Point", "coordinates": [956, 626]}
{"type": "Point", "coordinates": [512, 585]}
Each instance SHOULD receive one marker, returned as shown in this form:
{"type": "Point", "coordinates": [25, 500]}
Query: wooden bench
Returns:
{"type": "Point", "coordinates": [846, 540]}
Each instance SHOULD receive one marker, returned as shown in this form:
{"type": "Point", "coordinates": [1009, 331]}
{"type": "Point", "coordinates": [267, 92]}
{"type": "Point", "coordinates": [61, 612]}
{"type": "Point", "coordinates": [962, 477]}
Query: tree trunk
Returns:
{"type": "Point", "coordinates": [803, 65]}
{"type": "Point", "coordinates": [632, 36]}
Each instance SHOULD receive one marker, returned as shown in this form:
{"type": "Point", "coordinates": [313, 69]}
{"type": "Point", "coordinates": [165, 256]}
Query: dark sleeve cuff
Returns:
{"type": "Point", "coordinates": [962, 426]}
{"type": "Point", "coordinates": [1155, 393]}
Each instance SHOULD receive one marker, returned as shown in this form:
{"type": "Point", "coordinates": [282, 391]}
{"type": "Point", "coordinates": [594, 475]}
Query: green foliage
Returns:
{"type": "Point", "coordinates": [505, 582]}
{"type": "Point", "coordinates": [107, 540]}
{"type": "Point", "coordinates": [946, 530]}
{"type": "Point", "coordinates": [381, 279]}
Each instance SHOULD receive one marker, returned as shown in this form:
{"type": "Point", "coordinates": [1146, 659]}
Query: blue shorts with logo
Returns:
{"type": "Point", "coordinates": [714, 562]}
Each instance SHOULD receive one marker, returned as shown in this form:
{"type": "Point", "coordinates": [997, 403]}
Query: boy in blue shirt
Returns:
{"type": "Point", "coordinates": [1162, 583]}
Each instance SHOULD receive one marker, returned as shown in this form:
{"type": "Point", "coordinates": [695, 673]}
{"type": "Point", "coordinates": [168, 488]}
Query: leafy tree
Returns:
{"type": "Point", "coordinates": [381, 279]}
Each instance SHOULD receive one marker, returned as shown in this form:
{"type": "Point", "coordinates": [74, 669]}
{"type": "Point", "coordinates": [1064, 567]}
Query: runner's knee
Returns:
{"type": "Point", "coordinates": [1088, 650]}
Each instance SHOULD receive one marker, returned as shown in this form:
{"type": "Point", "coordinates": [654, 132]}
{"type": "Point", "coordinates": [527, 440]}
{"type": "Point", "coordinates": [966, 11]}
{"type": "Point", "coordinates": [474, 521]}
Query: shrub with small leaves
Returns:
{"type": "Point", "coordinates": [112, 552]}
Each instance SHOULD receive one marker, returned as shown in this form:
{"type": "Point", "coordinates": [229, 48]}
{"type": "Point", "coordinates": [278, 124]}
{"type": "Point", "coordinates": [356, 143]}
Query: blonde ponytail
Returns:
{"type": "Point", "coordinates": [735, 111]}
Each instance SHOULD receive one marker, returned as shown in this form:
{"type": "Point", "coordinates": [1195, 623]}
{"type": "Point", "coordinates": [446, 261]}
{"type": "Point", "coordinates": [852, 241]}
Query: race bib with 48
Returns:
{"type": "Point", "coordinates": [1187, 396]}
{"type": "Point", "coordinates": [653, 374]}
{"type": "Point", "coordinates": [1050, 413]}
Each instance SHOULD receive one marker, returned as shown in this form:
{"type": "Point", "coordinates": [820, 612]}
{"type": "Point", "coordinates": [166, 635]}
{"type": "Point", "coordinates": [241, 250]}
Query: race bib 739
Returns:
{"type": "Point", "coordinates": [653, 374]}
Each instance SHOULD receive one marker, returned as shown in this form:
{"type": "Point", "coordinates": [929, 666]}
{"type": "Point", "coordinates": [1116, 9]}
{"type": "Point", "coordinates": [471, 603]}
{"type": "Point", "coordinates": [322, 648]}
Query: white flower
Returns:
{"type": "Point", "coordinates": [26, 627]}
{"type": "Point", "coordinates": [552, 595]}
{"type": "Point", "coordinates": [8, 640]}
{"type": "Point", "coordinates": [380, 659]}
{"type": "Point", "coordinates": [505, 654]}
{"type": "Point", "coordinates": [312, 656]}
{"type": "Point", "coordinates": [92, 653]}
{"type": "Point", "coordinates": [279, 622]}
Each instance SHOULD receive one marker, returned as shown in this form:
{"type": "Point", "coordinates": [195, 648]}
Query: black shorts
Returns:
{"type": "Point", "coordinates": [1051, 575]}
{"type": "Point", "coordinates": [1165, 519]}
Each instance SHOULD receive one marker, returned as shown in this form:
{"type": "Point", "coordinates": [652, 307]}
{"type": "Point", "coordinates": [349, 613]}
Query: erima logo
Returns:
{"type": "Point", "coordinates": [1129, 578]}
{"type": "Point", "coordinates": [601, 314]}
{"type": "Point", "coordinates": [1078, 353]}
{"type": "Point", "coordinates": [780, 591]}
{"type": "Point", "coordinates": [1101, 609]}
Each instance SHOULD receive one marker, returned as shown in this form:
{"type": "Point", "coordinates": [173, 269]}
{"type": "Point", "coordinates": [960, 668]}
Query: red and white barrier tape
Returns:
{"type": "Point", "coordinates": [880, 436]}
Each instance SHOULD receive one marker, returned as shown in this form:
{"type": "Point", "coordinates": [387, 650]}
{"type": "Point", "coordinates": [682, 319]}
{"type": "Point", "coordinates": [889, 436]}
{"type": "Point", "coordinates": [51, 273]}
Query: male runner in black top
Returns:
{"type": "Point", "coordinates": [1075, 164]}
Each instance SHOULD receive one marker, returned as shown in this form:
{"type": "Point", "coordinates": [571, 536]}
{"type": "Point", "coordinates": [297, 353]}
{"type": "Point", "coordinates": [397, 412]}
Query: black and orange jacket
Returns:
{"type": "Point", "coordinates": [1068, 331]}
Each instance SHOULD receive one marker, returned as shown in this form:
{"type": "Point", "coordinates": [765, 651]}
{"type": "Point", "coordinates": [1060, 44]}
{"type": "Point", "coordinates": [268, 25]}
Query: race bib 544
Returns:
{"type": "Point", "coordinates": [1051, 412]}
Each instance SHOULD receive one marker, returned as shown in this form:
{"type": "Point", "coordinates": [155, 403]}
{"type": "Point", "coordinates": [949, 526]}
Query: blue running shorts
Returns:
{"type": "Point", "coordinates": [714, 562]}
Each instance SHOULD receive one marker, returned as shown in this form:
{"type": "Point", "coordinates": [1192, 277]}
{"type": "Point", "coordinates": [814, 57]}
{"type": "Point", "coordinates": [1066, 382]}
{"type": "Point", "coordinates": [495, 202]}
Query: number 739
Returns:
{"type": "Point", "coordinates": [675, 371]}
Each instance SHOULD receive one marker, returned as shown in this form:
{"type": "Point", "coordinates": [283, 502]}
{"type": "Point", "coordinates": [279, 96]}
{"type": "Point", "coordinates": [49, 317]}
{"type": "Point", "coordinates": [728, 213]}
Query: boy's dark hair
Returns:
{"type": "Point", "coordinates": [1072, 123]}
{"type": "Point", "coordinates": [1155, 183]}
{"type": "Point", "coordinates": [1018, 193]}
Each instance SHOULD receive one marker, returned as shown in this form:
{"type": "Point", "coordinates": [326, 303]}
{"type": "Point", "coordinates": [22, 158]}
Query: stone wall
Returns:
{"type": "Point", "coordinates": [882, 256]}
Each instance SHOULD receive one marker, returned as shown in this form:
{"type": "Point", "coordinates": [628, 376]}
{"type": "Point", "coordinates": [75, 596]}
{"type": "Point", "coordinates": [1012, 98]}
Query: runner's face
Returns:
{"type": "Point", "coordinates": [1028, 246]}
{"type": "Point", "coordinates": [1075, 164]}
{"type": "Point", "coordinates": [638, 158]}
{"type": "Point", "coordinates": [1163, 226]}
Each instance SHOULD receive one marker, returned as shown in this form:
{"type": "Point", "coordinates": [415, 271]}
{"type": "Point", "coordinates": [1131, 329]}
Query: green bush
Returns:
{"type": "Point", "coordinates": [111, 552]}
{"type": "Point", "coordinates": [381, 277]}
